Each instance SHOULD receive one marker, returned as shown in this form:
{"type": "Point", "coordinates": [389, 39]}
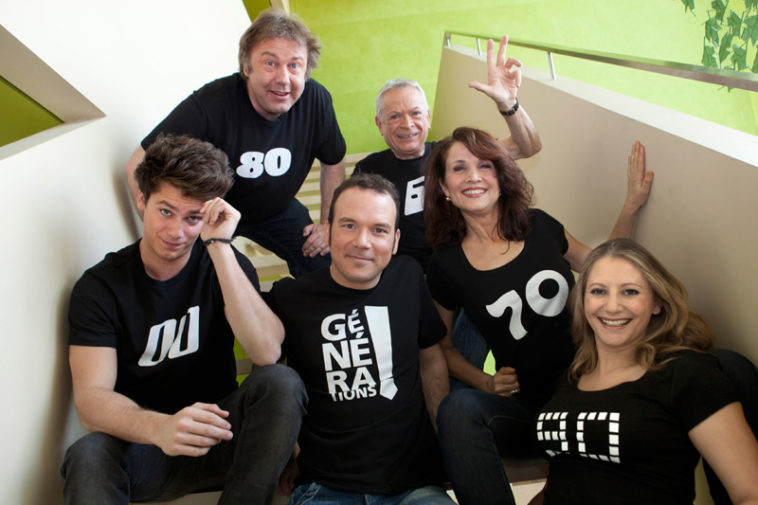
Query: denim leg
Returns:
{"type": "Point", "coordinates": [282, 234]}
{"type": "Point", "coordinates": [265, 414]}
{"type": "Point", "coordinates": [316, 494]}
{"type": "Point", "coordinates": [427, 495]}
{"type": "Point", "coordinates": [475, 430]}
{"type": "Point", "coordinates": [471, 344]}
{"type": "Point", "coordinates": [103, 469]}
{"type": "Point", "coordinates": [744, 377]}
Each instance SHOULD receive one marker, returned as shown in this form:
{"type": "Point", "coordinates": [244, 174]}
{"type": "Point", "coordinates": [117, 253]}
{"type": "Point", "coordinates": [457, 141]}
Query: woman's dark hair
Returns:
{"type": "Point", "coordinates": [444, 222]}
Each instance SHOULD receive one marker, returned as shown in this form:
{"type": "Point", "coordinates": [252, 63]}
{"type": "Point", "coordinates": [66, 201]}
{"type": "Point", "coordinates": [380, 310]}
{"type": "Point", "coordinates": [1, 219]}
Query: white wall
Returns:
{"type": "Point", "coordinates": [64, 202]}
{"type": "Point", "coordinates": [700, 220]}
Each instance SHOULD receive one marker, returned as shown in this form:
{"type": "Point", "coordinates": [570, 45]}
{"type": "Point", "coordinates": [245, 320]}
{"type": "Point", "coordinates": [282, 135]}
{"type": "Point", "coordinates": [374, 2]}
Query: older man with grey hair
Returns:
{"type": "Point", "coordinates": [403, 118]}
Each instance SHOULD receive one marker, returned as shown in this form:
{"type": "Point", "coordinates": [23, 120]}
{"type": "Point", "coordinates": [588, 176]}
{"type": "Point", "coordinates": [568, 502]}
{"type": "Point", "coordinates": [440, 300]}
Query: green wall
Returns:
{"type": "Point", "coordinates": [367, 42]}
{"type": "Point", "coordinates": [21, 116]}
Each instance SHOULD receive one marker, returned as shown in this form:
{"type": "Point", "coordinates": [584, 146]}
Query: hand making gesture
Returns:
{"type": "Point", "coordinates": [503, 76]}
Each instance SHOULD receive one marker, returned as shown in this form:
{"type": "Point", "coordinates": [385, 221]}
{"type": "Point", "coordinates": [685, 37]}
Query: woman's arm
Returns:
{"type": "Point", "coordinates": [725, 440]}
{"type": "Point", "coordinates": [503, 383]}
{"type": "Point", "coordinates": [638, 182]}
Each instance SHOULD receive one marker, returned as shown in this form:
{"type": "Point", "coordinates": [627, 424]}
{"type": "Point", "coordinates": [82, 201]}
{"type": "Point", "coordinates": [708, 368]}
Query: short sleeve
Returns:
{"type": "Point", "coordinates": [187, 118]}
{"type": "Point", "coordinates": [431, 327]}
{"type": "Point", "coordinates": [554, 228]}
{"type": "Point", "coordinates": [439, 282]}
{"type": "Point", "coordinates": [358, 169]}
{"type": "Point", "coordinates": [332, 147]}
{"type": "Point", "coordinates": [90, 314]}
{"type": "Point", "coordinates": [699, 387]}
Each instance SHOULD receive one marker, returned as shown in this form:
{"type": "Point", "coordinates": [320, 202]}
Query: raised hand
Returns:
{"type": "Point", "coordinates": [503, 76]}
{"type": "Point", "coordinates": [638, 180]}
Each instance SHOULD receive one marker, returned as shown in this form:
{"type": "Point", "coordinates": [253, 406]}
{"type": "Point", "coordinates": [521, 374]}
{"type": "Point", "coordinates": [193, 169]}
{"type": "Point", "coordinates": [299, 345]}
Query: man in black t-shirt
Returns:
{"type": "Point", "coordinates": [272, 120]}
{"type": "Point", "coordinates": [403, 119]}
{"type": "Point", "coordinates": [364, 336]}
{"type": "Point", "coordinates": [152, 330]}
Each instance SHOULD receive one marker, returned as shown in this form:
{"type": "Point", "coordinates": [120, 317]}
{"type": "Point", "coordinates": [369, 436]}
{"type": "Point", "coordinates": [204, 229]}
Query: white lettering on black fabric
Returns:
{"type": "Point", "coordinates": [548, 307]}
{"type": "Point", "coordinates": [275, 162]}
{"type": "Point", "coordinates": [173, 343]}
{"type": "Point", "coordinates": [354, 352]}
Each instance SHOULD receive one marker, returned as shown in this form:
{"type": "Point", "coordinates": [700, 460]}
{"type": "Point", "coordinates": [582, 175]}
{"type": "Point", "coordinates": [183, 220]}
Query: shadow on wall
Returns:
{"type": "Point", "coordinates": [46, 486]}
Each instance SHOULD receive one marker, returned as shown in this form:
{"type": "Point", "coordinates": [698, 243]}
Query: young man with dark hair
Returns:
{"type": "Point", "coordinates": [363, 334]}
{"type": "Point", "coordinates": [272, 120]}
{"type": "Point", "coordinates": [152, 329]}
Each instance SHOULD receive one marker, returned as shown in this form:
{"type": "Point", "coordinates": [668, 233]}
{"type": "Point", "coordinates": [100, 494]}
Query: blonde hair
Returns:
{"type": "Point", "coordinates": [676, 327]}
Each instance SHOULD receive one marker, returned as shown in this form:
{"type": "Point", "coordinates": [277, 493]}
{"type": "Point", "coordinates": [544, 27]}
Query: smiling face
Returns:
{"type": "Point", "coordinates": [170, 226]}
{"type": "Point", "coordinates": [404, 122]}
{"type": "Point", "coordinates": [470, 183]}
{"type": "Point", "coordinates": [362, 237]}
{"type": "Point", "coordinates": [618, 304]}
{"type": "Point", "coordinates": [276, 76]}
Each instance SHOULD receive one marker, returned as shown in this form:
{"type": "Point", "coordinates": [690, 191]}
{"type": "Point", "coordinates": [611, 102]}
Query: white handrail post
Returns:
{"type": "Point", "coordinates": [552, 66]}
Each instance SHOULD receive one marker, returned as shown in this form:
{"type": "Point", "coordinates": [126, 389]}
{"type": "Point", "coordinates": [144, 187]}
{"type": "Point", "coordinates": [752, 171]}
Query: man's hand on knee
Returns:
{"type": "Point", "coordinates": [315, 244]}
{"type": "Point", "coordinates": [194, 430]}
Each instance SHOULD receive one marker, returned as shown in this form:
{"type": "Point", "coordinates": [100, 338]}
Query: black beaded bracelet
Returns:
{"type": "Point", "coordinates": [208, 242]}
{"type": "Point", "coordinates": [510, 111]}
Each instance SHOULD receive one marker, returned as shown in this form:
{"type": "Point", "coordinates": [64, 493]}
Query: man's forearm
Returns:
{"type": "Point", "coordinates": [107, 411]}
{"type": "Point", "coordinates": [434, 378]}
{"type": "Point", "coordinates": [254, 325]}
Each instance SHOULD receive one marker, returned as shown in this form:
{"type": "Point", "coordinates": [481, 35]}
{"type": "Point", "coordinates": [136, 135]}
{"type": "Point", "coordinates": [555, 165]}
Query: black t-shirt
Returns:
{"type": "Point", "coordinates": [629, 444]}
{"type": "Point", "coordinates": [173, 343]}
{"type": "Point", "coordinates": [367, 429]}
{"type": "Point", "coordinates": [520, 307]}
{"type": "Point", "coordinates": [408, 178]}
{"type": "Point", "coordinates": [271, 159]}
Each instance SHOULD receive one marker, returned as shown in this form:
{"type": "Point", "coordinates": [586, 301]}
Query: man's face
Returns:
{"type": "Point", "coordinates": [170, 225]}
{"type": "Point", "coordinates": [362, 237]}
{"type": "Point", "coordinates": [276, 76]}
{"type": "Point", "coordinates": [404, 122]}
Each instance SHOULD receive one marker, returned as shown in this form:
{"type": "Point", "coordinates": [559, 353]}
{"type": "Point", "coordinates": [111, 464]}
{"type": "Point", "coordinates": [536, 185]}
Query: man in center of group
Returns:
{"type": "Point", "coordinates": [363, 335]}
{"type": "Point", "coordinates": [403, 118]}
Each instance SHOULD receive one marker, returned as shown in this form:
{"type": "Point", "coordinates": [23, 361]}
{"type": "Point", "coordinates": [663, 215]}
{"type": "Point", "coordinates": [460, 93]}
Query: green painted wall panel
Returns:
{"type": "Point", "coordinates": [21, 116]}
{"type": "Point", "coordinates": [367, 42]}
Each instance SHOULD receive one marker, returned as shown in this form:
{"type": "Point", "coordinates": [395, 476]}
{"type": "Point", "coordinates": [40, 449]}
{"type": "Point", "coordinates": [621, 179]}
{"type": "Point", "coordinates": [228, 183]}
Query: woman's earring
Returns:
{"type": "Point", "coordinates": [447, 197]}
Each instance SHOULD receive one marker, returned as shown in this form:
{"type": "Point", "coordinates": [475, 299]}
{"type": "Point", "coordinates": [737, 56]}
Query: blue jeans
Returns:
{"type": "Point", "coordinates": [744, 377]}
{"type": "Point", "coordinates": [316, 494]}
{"type": "Point", "coordinates": [265, 414]}
{"type": "Point", "coordinates": [282, 234]}
{"type": "Point", "coordinates": [475, 430]}
{"type": "Point", "coordinates": [470, 343]}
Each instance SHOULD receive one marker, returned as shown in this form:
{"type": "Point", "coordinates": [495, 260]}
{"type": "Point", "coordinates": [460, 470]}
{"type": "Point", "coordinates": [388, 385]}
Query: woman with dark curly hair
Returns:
{"type": "Point", "coordinates": [642, 401]}
{"type": "Point", "coordinates": [509, 267]}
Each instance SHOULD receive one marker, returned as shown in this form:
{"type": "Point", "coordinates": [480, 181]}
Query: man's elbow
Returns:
{"type": "Point", "coordinates": [268, 356]}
